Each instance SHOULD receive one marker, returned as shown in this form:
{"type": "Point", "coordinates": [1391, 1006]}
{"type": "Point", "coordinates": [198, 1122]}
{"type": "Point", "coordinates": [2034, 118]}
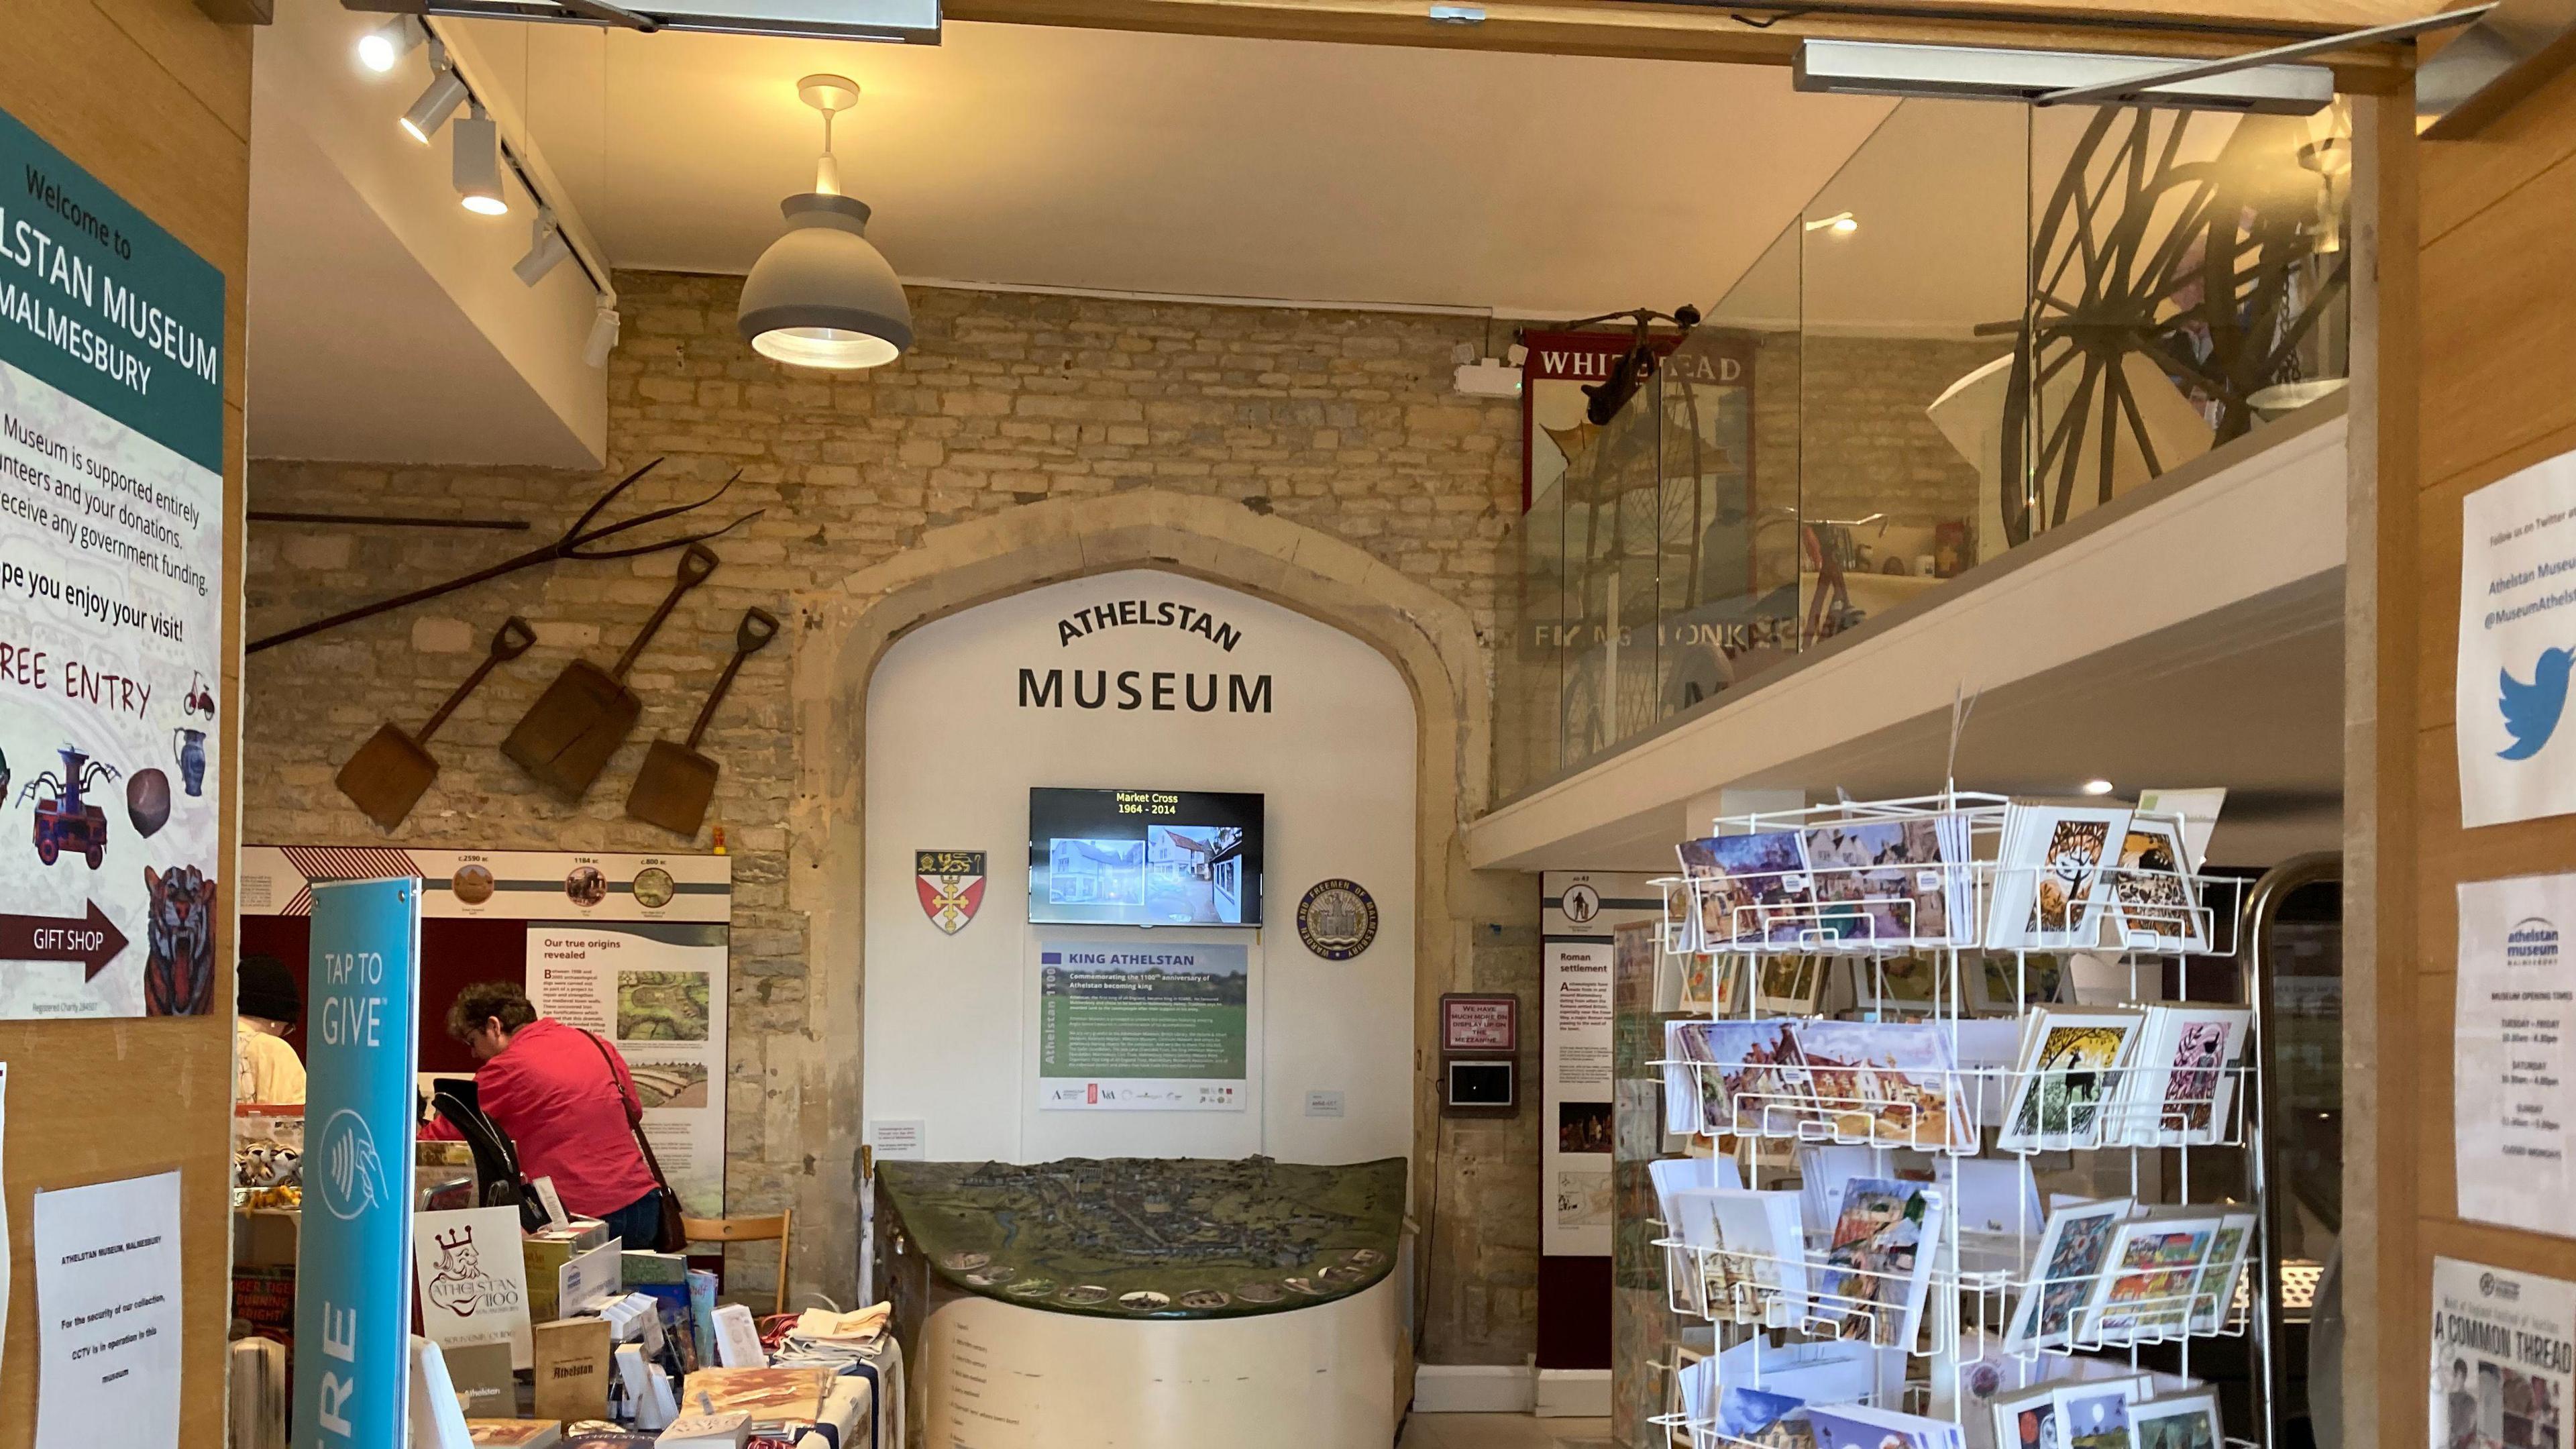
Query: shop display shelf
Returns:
{"type": "Point", "coordinates": [2170, 1131]}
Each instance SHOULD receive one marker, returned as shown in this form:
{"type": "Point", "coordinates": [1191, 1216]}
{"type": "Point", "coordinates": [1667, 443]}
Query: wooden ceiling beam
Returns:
{"type": "Point", "coordinates": [1754, 35]}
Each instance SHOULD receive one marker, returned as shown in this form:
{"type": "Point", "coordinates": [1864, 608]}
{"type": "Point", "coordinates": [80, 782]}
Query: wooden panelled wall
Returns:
{"type": "Point", "coordinates": [154, 100]}
{"type": "Point", "coordinates": [2489, 308]}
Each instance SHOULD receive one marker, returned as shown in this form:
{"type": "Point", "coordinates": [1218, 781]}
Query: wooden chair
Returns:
{"type": "Point", "coordinates": [746, 1230]}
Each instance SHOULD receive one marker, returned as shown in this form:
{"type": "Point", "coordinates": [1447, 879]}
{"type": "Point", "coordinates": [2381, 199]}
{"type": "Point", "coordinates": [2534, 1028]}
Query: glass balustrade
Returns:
{"type": "Point", "coordinates": [1990, 321]}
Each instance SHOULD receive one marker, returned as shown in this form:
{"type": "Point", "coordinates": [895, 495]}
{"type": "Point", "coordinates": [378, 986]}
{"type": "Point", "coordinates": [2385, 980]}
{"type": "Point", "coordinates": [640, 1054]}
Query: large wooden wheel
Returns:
{"type": "Point", "coordinates": [2208, 269]}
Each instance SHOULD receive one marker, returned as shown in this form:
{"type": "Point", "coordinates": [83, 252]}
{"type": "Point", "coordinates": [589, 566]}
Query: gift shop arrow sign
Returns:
{"type": "Point", "coordinates": [92, 942]}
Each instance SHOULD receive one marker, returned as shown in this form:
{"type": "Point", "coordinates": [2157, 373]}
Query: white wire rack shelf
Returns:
{"type": "Point", "coordinates": [2032, 1109]}
{"type": "Point", "coordinates": [1705, 1434]}
{"type": "Point", "coordinates": [1932, 891]}
{"type": "Point", "coordinates": [2194, 1293]}
{"type": "Point", "coordinates": [1909, 899]}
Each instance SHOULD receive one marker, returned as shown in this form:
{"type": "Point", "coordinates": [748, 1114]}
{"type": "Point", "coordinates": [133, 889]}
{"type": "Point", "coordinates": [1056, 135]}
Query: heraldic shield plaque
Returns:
{"type": "Point", "coordinates": [951, 884]}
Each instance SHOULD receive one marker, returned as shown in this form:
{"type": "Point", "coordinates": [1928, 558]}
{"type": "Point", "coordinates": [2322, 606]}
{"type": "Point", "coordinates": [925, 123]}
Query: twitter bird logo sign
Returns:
{"type": "Point", "coordinates": [2531, 709]}
{"type": "Point", "coordinates": [2517, 647]}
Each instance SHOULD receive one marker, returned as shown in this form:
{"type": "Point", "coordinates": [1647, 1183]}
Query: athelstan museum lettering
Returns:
{"type": "Point", "coordinates": [1161, 689]}
{"type": "Point", "coordinates": [1165, 690]}
{"type": "Point", "coordinates": [1082, 623]}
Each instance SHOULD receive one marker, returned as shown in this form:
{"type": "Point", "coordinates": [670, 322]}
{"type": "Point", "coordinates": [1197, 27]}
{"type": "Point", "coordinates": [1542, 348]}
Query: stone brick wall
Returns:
{"type": "Point", "coordinates": [1341, 421]}
{"type": "Point", "coordinates": [1864, 443]}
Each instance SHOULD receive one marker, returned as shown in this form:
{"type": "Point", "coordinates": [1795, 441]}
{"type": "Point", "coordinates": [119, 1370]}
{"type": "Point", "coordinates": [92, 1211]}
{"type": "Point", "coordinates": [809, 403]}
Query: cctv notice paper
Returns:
{"type": "Point", "coordinates": [2517, 646]}
{"type": "Point", "coordinates": [111, 600]}
{"type": "Point", "coordinates": [2511, 1073]}
{"type": "Point", "coordinates": [2501, 1351]}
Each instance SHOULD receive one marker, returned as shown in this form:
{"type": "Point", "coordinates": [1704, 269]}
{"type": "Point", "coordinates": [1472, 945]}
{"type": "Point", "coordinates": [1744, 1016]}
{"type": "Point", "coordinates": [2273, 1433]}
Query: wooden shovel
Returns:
{"type": "Point", "coordinates": [673, 788]}
{"type": "Point", "coordinates": [566, 737]}
{"type": "Point", "coordinates": [392, 770]}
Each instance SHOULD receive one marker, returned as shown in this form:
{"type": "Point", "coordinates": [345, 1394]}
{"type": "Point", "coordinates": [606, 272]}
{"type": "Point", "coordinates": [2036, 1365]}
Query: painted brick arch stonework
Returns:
{"type": "Point", "coordinates": [1319, 459]}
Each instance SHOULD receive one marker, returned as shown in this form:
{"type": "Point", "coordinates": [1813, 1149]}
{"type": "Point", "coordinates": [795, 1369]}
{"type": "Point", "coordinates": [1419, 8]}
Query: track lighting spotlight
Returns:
{"type": "Point", "coordinates": [603, 336]}
{"type": "Point", "coordinates": [478, 163]}
{"type": "Point", "coordinates": [382, 48]}
{"type": "Point", "coordinates": [546, 249]}
{"type": "Point", "coordinates": [446, 92]}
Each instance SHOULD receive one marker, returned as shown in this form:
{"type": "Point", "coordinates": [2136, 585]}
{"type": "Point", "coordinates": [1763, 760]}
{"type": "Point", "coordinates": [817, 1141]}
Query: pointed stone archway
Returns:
{"type": "Point", "coordinates": [812, 1090]}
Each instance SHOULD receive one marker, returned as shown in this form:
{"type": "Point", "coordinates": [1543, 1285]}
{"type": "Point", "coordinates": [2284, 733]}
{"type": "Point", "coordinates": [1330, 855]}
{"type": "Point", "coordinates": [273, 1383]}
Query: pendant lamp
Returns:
{"type": "Point", "coordinates": [823, 295]}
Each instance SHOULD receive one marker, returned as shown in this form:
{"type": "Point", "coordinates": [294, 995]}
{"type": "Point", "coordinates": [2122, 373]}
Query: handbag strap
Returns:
{"type": "Point", "coordinates": [634, 1114]}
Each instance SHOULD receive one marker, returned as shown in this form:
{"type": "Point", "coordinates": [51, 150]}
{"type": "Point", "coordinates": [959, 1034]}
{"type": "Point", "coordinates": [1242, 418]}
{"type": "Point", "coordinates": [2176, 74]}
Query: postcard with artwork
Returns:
{"type": "Point", "coordinates": [2147, 1286]}
{"type": "Point", "coordinates": [2027, 1419]}
{"type": "Point", "coordinates": [2159, 908]}
{"type": "Point", "coordinates": [1680, 923]}
{"type": "Point", "coordinates": [1879, 1260]}
{"type": "Point", "coordinates": [1697, 989]}
{"type": "Point", "coordinates": [1881, 882]}
{"type": "Point", "coordinates": [2071, 1069]}
{"type": "Point", "coordinates": [2095, 1416]}
{"type": "Point", "coordinates": [1792, 983]}
{"type": "Point", "coordinates": [1751, 888]}
{"type": "Point", "coordinates": [1754, 1083]}
{"type": "Point", "coordinates": [1908, 983]}
{"type": "Point", "coordinates": [1763, 1244]}
{"type": "Point", "coordinates": [2213, 1295]}
{"type": "Point", "coordinates": [2072, 1250]}
{"type": "Point", "coordinates": [1893, 1084]}
{"type": "Point", "coordinates": [2049, 877]}
{"type": "Point", "coordinates": [1685, 1051]}
{"type": "Point", "coordinates": [1825, 1169]}
{"type": "Point", "coordinates": [1730, 982]}
{"type": "Point", "coordinates": [2182, 1090]}
{"type": "Point", "coordinates": [1758, 1416]}
{"type": "Point", "coordinates": [1859, 1426]}
{"type": "Point", "coordinates": [2009, 983]}
{"type": "Point", "coordinates": [1695, 1228]}
{"type": "Point", "coordinates": [1987, 1376]}
{"type": "Point", "coordinates": [2183, 1421]}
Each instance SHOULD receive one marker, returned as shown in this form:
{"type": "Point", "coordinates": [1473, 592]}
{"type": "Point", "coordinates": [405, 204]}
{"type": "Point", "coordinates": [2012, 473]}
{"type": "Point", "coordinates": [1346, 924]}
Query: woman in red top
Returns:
{"type": "Point", "coordinates": [566, 1100]}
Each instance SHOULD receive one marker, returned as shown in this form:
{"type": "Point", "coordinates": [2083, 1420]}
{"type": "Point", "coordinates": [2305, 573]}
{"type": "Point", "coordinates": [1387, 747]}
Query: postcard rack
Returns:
{"type": "Point", "coordinates": [1888, 910]}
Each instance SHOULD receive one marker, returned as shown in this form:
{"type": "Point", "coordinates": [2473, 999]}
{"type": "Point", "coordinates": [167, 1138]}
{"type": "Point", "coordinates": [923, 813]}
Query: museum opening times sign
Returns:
{"type": "Point", "coordinates": [111, 556]}
{"type": "Point", "coordinates": [2511, 1099]}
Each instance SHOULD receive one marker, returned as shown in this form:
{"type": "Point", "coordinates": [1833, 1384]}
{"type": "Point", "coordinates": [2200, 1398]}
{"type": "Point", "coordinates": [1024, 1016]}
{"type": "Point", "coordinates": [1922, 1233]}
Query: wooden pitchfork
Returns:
{"type": "Point", "coordinates": [579, 541]}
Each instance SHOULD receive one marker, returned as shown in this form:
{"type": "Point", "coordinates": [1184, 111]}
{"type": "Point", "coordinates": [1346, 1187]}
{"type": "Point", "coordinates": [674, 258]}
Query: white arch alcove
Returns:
{"type": "Point", "coordinates": [954, 742]}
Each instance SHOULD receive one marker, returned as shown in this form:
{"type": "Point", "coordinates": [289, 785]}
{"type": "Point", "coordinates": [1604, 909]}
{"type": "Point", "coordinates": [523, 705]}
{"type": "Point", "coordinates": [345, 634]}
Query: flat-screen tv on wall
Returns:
{"type": "Point", "coordinates": [1144, 858]}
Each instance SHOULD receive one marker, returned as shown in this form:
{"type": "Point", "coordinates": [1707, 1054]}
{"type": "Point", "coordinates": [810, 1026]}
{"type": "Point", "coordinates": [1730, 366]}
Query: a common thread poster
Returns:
{"type": "Point", "coordinates": [111, 599]}
{"type": "Point", "coordinates": [2501, 1357]}
{"type": "Point", "coordinates": [656, 990]}
{"type": "Point", "coordinates": [2512, 1082]}
{"type": "Point", "coordinates": [1143, 1028]}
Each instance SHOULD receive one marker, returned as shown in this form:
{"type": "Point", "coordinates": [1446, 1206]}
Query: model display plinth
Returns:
{"type": "Point", "coordinates": [1143, 1302]}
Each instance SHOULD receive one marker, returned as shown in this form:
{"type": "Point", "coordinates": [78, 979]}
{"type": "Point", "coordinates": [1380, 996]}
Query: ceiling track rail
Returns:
{"type": "Point", "coordinates": [2057, 20]}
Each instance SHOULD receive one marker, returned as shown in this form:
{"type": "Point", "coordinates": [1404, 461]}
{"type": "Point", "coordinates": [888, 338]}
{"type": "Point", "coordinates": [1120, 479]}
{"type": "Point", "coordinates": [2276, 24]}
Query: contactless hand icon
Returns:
{"type": "Point", "coordinates": [353, 1176]}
